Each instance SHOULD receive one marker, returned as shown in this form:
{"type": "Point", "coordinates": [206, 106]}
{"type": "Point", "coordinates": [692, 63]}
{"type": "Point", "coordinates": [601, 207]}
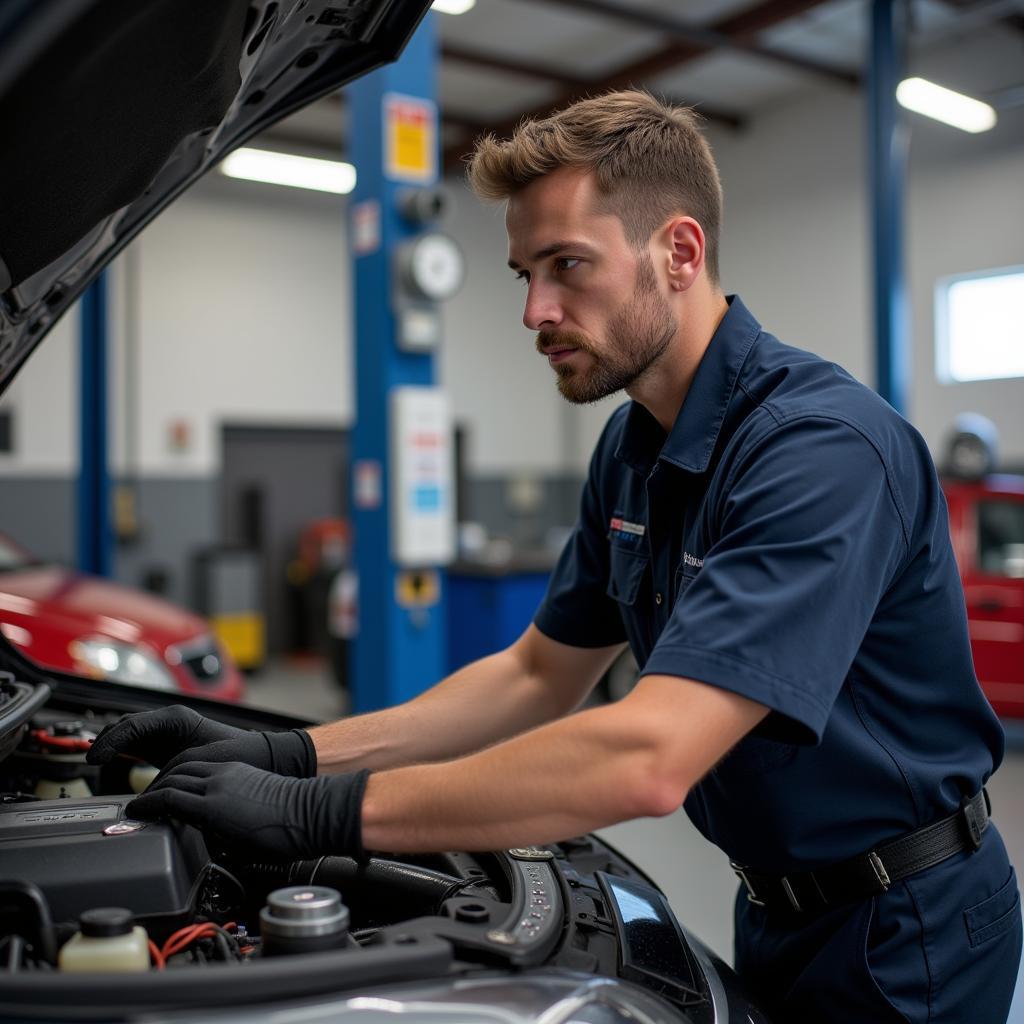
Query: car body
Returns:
{"type": "Point", "coordinates": [986, 518]}
{"type": "Point", "coordinates": [81, 623]}
{"type": "Point", "coordinates": [109, 109]}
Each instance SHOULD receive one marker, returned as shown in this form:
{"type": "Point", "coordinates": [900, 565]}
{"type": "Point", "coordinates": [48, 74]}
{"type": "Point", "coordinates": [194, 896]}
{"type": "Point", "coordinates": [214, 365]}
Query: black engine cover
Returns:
{"type": "Point", "coordinates": [66, 847]}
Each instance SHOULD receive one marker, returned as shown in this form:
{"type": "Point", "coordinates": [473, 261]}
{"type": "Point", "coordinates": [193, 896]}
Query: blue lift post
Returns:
{"type": "Point", "coordinates": [93, 519]}
{"type": "Point", "coordinates": [888, 157]}
{"type": "Point", "coordinates": [399, 651]}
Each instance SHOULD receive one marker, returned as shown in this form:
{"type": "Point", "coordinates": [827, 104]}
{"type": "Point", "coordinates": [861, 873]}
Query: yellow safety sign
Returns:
{"type": "Point", "coordinates": [410, 139]}
{"type": "Point", "coordinates": [417, 588]}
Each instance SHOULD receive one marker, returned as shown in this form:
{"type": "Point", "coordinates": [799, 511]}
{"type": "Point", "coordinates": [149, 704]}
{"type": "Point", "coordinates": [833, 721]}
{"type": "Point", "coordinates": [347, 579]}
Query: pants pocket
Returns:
{"type": "Point", "coordinates": [822, 972]}
{"type": "Point", "coordinates": [993, 916]}
{"type": "Point", "coordinates": [887, 945]}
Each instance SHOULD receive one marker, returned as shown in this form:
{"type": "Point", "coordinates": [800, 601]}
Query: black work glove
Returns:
{"type": "Point", "coordinates": [243, 809]}
{"type": "Point", "coordinates": [171, 736]}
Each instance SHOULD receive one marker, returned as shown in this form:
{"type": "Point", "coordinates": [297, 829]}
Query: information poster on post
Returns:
{"type": "Point", "coordinates": [410, 139]}
{"type": "Point", "coordinates": [422, 475]}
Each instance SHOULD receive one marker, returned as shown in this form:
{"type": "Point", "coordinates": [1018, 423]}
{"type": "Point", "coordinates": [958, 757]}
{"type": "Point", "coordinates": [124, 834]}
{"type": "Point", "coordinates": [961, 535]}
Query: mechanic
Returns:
{"type": "Point", "coordinates": [770, 538]}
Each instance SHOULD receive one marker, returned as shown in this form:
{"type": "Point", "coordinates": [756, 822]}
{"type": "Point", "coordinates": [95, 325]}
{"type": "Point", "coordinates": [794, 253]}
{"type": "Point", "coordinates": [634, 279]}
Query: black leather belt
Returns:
{"type": "Point", "coordinates": [871, 873]}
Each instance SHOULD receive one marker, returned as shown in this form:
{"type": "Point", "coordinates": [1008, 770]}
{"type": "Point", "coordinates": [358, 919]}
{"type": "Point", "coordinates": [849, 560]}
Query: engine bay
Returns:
{"type": "Point", "coordinates": [71, 862]}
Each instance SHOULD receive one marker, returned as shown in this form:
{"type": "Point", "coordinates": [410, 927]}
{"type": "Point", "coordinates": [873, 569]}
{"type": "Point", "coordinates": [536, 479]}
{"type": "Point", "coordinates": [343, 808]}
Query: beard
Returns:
{"type": "Point", "coordinates": [637, 336]}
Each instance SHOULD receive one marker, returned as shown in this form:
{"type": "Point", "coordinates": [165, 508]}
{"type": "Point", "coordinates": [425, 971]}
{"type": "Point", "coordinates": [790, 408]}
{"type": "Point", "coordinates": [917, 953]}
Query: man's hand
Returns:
{"type": "Point", "coordinates": [247, 810]}
{"type": "Point", "coordinates": [174, 735]}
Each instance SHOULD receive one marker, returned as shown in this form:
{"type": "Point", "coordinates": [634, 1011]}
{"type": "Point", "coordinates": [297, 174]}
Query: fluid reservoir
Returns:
{"type": "Point", "coordinates": [107, 940]}
{"type": "Point", "coordinates": [48, 789]}
{"type": "Point", "coordinates": [303, 919]}
{"type": "Point", "coordinates": [140, 776]}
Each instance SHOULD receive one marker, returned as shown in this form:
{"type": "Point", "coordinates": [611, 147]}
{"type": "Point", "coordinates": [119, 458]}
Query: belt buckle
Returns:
{"type": "Point", "coordinates": [879, 869]}
{"type": "Point", "coordinates": [752, 896]}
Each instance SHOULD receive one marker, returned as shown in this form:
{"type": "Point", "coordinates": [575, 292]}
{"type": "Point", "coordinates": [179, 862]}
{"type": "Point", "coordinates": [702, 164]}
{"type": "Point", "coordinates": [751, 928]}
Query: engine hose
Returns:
{"type": "Point", "coordinates": [25, 911]}
{"type": "Point", "coordinates": [409, 879]}
{"type": "Point", "coordinates": [381, 889]}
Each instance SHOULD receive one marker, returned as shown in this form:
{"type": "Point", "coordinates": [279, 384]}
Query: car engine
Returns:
{"type": "Point", "coordinates": [80, 883]}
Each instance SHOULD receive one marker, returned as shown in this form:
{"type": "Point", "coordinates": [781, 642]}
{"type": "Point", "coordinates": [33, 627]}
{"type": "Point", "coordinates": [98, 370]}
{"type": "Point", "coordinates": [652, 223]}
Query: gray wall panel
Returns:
{"type": "Point", "coordinates": [492, 501]}
{"type": "Point", "coordinates": [39, 513]}
{"type": "Point", "coordinates": [177, 516]}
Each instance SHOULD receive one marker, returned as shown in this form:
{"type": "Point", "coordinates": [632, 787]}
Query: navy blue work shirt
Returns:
{"type": "Point", "coordinates": [788, 541]}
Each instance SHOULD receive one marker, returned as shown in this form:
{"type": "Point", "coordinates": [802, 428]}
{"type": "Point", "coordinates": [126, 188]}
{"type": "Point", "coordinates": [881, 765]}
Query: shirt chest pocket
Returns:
{"type": "Point", "coordinates": [684, 577]}
{"type": "Point", "coordinates": [626, 572]}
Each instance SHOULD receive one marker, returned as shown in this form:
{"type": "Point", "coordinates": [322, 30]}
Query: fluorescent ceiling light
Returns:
{"type": "Point", "coordinates": [285, 169]}
{"type": "Point", "coordinates": [453, 6]}
{"type": "Point", "coordinates": [952, 108]}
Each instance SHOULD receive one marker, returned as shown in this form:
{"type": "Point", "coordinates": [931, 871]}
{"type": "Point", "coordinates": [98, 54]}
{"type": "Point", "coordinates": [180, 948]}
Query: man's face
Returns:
{"type": "Point", "coordinates": [593, 300]}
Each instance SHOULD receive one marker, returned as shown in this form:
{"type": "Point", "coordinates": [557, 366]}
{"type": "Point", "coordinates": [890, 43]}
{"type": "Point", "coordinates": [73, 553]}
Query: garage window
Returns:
{"type": "Point", "coordinates": [979, 321]}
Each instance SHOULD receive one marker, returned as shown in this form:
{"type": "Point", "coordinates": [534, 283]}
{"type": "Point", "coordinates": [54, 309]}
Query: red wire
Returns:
{"type": "Point", "coordinates": [62, 742]}
{"type": "Point", "coordinates": [158, 957]}
{"type": "Point", "coordinates": [184, 937]}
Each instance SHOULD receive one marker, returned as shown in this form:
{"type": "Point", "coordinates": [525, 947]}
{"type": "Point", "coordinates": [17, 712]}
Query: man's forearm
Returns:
{"type": "Point", "coordinates": [555, 781]}
{"type": "Point", "coordinates": [637, 758]}
{"type": "Point", "coordinates": [485, 702]}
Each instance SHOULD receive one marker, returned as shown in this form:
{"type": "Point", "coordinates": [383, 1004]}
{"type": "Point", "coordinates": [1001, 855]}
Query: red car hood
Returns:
{"type": "Point", "coordinates": [95, 606]}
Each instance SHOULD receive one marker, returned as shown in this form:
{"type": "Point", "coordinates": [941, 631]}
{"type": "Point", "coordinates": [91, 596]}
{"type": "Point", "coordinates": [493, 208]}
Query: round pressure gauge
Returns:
{"type": "Point", "coordinates": [433, 267]}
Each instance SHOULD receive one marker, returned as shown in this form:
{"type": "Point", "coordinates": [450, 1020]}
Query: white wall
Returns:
{"type": "Point", "coordinates": [43, 401]}
{"type": "Point", "coordinates": [246, 312]}
{"type": "Point", "coordinates": [244, 315]}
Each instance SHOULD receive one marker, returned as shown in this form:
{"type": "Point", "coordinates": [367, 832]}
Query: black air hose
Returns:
{"type": "Point", "coordinates": [26, 916]}
{"type": "Point", "coordinates": [381, 890]}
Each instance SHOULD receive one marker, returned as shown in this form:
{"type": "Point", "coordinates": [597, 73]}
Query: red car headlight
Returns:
{"type": "Point", "coordinates": [103, 658]}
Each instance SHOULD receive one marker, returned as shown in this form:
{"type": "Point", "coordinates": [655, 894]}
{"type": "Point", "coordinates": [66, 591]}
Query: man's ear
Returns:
{"type": "Point", "coordinates": [683, 244]}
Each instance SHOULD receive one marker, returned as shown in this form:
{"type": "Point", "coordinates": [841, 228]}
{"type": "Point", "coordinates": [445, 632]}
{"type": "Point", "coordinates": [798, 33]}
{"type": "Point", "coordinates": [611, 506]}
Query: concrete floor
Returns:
{"type": "Point", "coordinates": [693, 874]}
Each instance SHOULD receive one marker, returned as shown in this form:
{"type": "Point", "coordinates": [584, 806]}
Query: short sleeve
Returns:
{"type": "Point", "coordinates": [805, 540]}
{"type": "Point", "coordinates": [576, 609]}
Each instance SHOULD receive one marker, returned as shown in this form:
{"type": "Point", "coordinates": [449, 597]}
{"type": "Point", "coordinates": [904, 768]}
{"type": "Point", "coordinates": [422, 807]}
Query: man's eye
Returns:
{"type": "Point", "coordinates": [565, 262]}
{"type": "Point", "coordinates": [523, 275]}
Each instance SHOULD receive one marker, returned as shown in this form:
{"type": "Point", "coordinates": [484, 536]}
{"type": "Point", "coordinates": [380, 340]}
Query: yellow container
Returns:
{"type": "Point", "coordinates": [243, 637]}
{"type": "Point", "coordinates": [107, 941]}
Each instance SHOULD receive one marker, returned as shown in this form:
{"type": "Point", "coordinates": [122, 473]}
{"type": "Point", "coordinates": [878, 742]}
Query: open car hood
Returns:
{"type": "Point", "coordinates": [111, 108]}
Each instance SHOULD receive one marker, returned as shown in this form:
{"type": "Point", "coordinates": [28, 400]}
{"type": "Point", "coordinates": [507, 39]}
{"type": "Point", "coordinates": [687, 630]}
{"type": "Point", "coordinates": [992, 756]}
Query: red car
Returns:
{"type": "Point", "coordinates": [84, 624]}
{"type": "Point", "coordinates": [986, 519]}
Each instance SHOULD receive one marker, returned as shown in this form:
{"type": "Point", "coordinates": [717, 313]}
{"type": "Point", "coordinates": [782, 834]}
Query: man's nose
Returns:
{"type": "Point", "coordinates": [542, 310]}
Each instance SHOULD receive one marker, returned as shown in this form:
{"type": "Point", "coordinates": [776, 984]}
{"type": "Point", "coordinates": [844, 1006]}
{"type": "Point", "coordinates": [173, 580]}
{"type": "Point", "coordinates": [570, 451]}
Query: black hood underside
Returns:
{"type": "Point", "coordinates": [110, 108]}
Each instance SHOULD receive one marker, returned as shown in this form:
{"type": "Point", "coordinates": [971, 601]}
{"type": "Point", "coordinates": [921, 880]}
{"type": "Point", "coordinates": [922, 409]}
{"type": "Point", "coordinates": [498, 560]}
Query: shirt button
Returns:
{"type": "Point", "coordinates": [658, 598]}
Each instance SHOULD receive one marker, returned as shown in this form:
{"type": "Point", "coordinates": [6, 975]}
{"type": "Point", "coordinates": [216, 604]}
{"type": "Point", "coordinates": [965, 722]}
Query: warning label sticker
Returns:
{"type": "Point", "coordinates": [410, 139]}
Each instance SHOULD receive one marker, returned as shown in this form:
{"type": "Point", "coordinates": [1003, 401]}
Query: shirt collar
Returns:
{"type": "Point", "coordinates": [694, 434]}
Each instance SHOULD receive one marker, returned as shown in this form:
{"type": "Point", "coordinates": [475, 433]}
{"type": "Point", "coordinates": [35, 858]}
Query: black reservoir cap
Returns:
{"type": "Point", "coordinates": [106, 922]}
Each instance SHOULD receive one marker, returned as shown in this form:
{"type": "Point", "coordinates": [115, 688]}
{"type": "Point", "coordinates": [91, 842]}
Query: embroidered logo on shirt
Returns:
{"type": "Point", "coordinates": [623, 530]}
{"type": "Point", "coordinates": [692, 561]}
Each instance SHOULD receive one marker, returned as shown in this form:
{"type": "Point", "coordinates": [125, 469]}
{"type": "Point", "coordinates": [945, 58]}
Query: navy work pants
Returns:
{"type": "Point", "coordinates": [940, 947]}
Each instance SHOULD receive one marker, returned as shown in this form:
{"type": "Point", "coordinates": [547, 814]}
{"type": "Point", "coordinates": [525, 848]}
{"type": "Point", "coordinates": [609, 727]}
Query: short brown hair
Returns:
{"type": "Point", "coordinates": [649, 158]}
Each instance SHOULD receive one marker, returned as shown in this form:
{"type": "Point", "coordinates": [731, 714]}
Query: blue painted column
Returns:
{"type": "Point", "coordinates": [888, 157]}
{"type": "Point", "coordinates": [399, 650]}
{"type": "Point", "coordinates": [93, 512]}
